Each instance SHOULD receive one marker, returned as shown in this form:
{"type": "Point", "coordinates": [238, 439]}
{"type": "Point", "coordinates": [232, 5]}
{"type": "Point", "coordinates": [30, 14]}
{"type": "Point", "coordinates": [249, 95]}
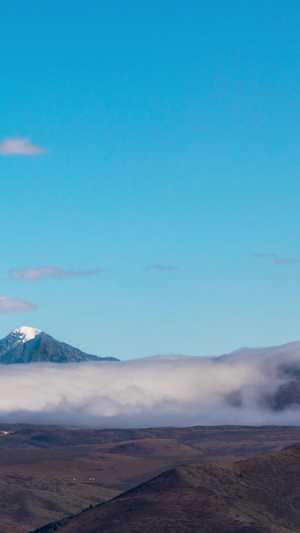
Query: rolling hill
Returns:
{"type": "Point", "coordinates": [47, 473]}
{"type": "Point", "coordinates": [256, 495]}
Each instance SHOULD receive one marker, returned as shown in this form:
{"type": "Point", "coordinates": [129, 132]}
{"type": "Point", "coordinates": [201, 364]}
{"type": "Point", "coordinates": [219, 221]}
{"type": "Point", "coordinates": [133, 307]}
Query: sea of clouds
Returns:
{"type": "Point", "coordinates": [237, 388]}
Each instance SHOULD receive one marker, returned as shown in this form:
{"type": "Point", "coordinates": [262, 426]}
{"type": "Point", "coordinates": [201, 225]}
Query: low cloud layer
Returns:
{"type": "Point", "coordinates": [35, 274]}
{"type": "Point", "coordinates": [15, 146]}
{"type": "Point", "coordinates": [8, 305]}
{"type": "Point", "coordinates": [246, 387]}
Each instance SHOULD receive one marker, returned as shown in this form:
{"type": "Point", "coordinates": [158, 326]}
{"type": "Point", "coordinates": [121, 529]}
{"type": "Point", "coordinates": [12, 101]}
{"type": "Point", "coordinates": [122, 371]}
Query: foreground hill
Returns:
{"type": "Point", "coordinates": [29, 345]}
{"type": "Point", "coordinates": [47, 473]}
{"type": "Point", "coordinates": [257, 495]}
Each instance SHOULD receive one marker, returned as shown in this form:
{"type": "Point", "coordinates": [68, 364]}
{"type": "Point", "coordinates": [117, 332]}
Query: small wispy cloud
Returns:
{"type": "Point", "coordinates": [285, 261]}
{"type": "Point", "coordinates": [8, 305]}
{"type": "Point", "coordinates": [276, 259]}
{"type": "Point", "coordinates": [16, 146]}
{"type": "Point", "coordinates": [164, 267]}
{"type": "Point", "coordinates": [34, 274]}
{"type": "Point", "coordinates": [264, 255]}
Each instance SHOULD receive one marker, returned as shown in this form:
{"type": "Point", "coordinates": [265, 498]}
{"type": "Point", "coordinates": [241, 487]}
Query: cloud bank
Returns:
{"type": "Point", "coordinates": [246, 387]}
{"type": "Point", "coordinates": [35, 274]}
{"type": "Point", "coordinates": [15, 146]}
{"type": "Point", "coordinates": [8, 305]}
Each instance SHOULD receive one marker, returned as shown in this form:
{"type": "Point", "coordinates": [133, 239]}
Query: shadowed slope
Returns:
{"type": "Point", "coordinates": [257, 495]}
{"type": "Point", "coordinates": [47, 473]}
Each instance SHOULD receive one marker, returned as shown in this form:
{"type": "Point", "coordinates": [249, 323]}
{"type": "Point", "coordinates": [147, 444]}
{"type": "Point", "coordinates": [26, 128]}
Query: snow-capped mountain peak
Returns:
{"type": "Point", "coordinates": [26, 333]}
{"type": "Point", "coordinates": [31, 345]}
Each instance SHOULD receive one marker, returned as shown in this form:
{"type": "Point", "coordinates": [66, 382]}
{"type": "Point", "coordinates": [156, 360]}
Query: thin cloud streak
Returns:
{"type": "Point", "coordinates": [285, 261]}
{"type": "Point", "coordinates": [36, 274]}
{"type": "Point", "coordinates": [239, 388]}
{"type": "Point", "coordinates": [264, 255]}
{"type": "Point", "coordinates": [277, 260]}
{"type": "Point", "coordinates": [15, 146]}
{"type": "Point", "coordinates": [8, 305]}
{"type": "Point", "coordinates": [164, 267]}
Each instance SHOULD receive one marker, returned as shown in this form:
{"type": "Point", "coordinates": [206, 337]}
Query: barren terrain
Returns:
{"type": "Point", "coordinates": [47, 473]}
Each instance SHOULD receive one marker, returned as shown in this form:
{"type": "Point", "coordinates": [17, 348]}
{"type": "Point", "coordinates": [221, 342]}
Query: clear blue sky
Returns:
{"type": "Point", "coordinates": [171, 138]}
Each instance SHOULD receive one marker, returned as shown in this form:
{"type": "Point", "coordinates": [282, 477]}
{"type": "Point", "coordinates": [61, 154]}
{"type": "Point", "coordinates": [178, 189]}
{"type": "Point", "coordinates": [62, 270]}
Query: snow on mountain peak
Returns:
{"type": "Point", "coordinates": [26, 333]}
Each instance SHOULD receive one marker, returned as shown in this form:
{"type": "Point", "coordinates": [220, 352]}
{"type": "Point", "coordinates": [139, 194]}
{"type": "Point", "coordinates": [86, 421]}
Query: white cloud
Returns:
{"type": "Point", "coordinates": [155, 391]}
{"type": "Point", "coordinates": [35, 274]}
{"type": "Point", "coordinates": [8, 305]}
{"type": "Point", "coordinates": [15, 146]}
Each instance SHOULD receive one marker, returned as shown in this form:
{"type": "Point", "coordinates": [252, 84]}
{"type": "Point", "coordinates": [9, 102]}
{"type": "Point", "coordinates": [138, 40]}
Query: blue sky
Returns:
{"type": "Point", "coordinates": [154, 207]}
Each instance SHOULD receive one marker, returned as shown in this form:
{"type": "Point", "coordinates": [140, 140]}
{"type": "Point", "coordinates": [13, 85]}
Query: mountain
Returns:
{"type": "Point", "coordinates": [30, 345]}
{"type": "Point", "coordinates": [256, 495]}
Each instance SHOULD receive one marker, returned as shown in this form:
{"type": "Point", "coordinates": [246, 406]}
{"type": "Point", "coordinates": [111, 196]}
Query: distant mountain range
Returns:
{"type": "Point", "coordinates": [31, 345]}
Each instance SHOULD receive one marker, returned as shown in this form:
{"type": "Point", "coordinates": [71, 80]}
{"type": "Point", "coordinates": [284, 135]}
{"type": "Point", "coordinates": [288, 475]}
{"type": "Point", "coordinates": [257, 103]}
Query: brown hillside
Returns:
{"type": "Point", "coordinates": [46, 475]}
{"type": "Point", "coordinates": [257, 495]}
